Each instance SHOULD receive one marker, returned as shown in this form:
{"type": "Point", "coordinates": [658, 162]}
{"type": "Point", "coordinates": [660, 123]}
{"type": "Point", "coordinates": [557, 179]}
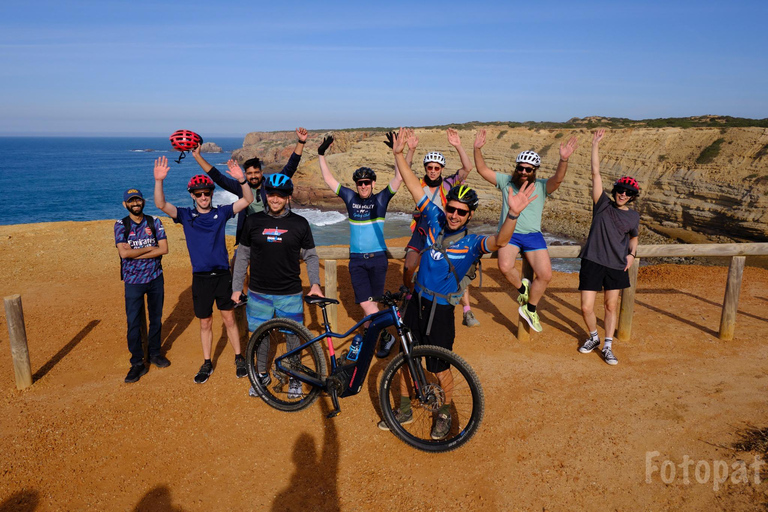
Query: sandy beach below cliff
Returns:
{"type": "Point", "coordinates": [562, 430]}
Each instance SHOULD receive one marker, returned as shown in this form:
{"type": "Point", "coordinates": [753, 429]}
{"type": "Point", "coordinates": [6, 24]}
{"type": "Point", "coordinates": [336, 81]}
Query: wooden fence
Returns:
{"type": "Point", "coordinates": [736, 252]}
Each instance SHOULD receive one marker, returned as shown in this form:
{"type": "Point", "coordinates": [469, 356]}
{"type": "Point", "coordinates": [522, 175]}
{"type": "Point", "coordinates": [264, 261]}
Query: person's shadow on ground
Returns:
{"type": "Point", "coordinates": [313, 485]}
{"type": "Point", "coordinates": [179, 319]}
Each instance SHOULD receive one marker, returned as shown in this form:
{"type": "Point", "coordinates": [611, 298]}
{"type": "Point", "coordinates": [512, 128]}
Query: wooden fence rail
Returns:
{"type": "Point", "coordinates": [737, 252]}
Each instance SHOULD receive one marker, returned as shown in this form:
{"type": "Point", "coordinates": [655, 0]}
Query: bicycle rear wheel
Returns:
{"type": "Point", "coordinates": [271, 340]}
{"type": "Point", "coordinates": [447, 380]}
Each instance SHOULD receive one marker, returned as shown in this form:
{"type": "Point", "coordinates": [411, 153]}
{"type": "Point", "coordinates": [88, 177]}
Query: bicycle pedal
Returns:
{"type": "Point", "coordinates": [333, 414]}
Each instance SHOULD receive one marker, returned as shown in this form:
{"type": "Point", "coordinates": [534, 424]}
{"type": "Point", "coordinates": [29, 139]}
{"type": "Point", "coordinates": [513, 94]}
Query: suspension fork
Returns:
{"type": "Point", "coordinates": [418, 378]}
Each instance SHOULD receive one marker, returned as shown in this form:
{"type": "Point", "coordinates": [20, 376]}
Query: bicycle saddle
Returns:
{"type": "Point", "coordinates": [322, 301]}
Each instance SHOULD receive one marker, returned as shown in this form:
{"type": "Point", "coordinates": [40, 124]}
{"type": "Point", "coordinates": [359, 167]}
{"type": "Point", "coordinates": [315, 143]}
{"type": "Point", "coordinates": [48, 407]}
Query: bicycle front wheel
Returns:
{"type": "Point", "coordinates": [271, 340]}
{"type": "Point", "coordinates": [448, 384]}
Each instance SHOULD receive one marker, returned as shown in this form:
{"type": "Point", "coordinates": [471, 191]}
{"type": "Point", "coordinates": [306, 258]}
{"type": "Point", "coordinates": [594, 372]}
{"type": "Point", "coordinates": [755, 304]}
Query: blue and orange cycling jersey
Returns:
{"type": "Point", "coordinates": [435, 276]}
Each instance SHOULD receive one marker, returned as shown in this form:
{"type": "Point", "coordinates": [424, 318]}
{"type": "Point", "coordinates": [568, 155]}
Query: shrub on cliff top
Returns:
{"type": "Point", "coordinates": [710, 152]}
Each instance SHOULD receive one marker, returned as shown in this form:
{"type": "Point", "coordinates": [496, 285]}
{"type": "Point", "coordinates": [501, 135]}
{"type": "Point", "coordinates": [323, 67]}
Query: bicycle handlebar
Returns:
{"type": "Point", "coordinates": [391, 299]}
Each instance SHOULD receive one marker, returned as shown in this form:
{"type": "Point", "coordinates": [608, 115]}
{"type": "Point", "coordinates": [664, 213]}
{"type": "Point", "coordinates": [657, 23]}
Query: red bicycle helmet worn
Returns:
{"type": "Point", "coordinates": [630, 184]}
{"type": "Point", "coordinates": [200, 182]}
{"type": "Point", "coordinates": [184, 140]}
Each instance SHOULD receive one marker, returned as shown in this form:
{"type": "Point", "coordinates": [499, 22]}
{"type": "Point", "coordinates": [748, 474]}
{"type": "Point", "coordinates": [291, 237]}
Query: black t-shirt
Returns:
{"type": "Point", "coordinates": [276, 246]}
{"type": "Point", "coordinates": [608, 240]}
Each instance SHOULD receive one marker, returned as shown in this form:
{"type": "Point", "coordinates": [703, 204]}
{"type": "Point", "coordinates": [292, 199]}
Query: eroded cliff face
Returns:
{"type": "Point", "coordinates": [723, 199]}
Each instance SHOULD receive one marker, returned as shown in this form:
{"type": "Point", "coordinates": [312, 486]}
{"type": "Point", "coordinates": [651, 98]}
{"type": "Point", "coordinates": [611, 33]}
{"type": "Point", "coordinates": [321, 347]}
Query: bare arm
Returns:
{"type": "Point", "coordinates": [466, 164]}
{"type": "Point", "coordinates": [413, 142]}
{"type": "Point", "coordinates": [486, 172]}
{"type": "Point", "coordinates": [161, 171]}
{"type": "Point", "coordinates": [566, 150]}
{"type": "Point", "coordinates": [236, 172]}
{"type": "Point", "coordinates": [332, 182]}
{"type": "Point", "coordinates": [597, 181]}
{"type": "Point", "coordinates": [154, 252]}
{"type": "Point", "coordinates": [302, 134]}
{"type": "Point", "coordinates": [632, 251]}
{"type": "Point", "coordinates": [204, 165]}
{"type": "Point", "coordinates": [517, 203]}
{"type": "Point", "coordinates": [411, 181]}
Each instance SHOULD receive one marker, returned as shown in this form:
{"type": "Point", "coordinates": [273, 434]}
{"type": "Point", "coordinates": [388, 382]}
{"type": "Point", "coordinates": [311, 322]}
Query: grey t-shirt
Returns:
{"type": "Point", "coordinates": [608, 240]}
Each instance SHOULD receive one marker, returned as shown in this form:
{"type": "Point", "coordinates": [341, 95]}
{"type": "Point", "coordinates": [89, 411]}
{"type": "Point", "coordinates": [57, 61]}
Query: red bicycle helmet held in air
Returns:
{"type": "Point", "coordinates": [184, 140]}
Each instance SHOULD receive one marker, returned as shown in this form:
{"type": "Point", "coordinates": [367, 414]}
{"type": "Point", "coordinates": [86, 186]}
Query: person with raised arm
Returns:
{"type": "Point", "coordinates": [528, 238]}
{"type": "Point", "coordinates": [366, 210]}
{"type": "Point", "coordinates": [204, 227]}
{"type": "Point", "coordinates": [609, 251]}
{"type": "Point", "coordinates": [436, 187]}
{"type": "Point", "coordinates": [442, 274]}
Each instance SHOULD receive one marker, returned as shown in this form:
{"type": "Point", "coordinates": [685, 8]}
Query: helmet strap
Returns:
{"type": "Point", "coordinates": [433, 183]}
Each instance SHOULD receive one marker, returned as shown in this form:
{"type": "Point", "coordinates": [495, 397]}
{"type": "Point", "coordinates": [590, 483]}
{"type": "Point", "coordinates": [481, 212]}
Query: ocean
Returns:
{"type": "Point", "coordinates": [50, 179]}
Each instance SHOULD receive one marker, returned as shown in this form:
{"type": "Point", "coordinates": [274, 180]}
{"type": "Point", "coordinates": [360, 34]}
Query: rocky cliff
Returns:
{"type": "Point", "coordinates": [698, 184]}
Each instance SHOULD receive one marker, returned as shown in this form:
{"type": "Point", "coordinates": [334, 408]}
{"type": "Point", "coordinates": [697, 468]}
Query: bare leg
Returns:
{"type": "Point", "coordinates": [542, 269]}
{"type": "Point", "coordinates": [588, 309]}
{"type": "Point", "coordinates": [233, 333]}
{"type": "Point", "coordinates": [507, 256]}
{"type": "Point", "coordinates": [206, 335]}
{"type": "Point", "coordinates": [611, 310]}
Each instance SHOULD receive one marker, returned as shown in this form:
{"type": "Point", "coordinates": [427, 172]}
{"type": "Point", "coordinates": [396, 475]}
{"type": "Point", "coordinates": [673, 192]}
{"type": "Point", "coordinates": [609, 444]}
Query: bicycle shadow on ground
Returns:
{"type": "Point", "coordinates": [180, 318]}
{"type": "Point", "coordinates": [157, 499]}
{"type": "Point", "coordinates": [66, 349]}
{"type": "Point", "coordinates": [21, 501]}
{"type": "Point", "coordinates": [313, 485]}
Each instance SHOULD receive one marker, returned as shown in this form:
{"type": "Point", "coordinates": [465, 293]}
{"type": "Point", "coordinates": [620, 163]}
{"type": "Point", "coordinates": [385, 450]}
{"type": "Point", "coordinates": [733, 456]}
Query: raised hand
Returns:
{"type": "Point", "coordinates": [326, 143]}
{"type": "Point", "coordinates": [567, 149]}
{"type": "Point", "coordinates": [235, 170]}
{"type": "Point", "coordinates": [302, 134]}
{"type": "Point", "coordinates": [480, 138]}
{"type": "Point", "coordinates": [196, 151]}
{"type": "Point", "coordinates": [518, 202]}
{"type": "Point", "coordinates": [398, 140]}
{"type": "Point", "coordinates": [453, 137]}
{"type": "Point", "coordinates": [412, 141]}
{"type": "Point", "coordinates": [598, 136]}
{"type": "Point", "coordinates": [389, 136]}
{"type": "Point", "coordinates": [161, 168]}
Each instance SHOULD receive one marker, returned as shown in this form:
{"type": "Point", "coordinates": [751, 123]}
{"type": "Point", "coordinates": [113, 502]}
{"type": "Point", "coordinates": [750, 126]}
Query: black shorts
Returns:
{"type": "Point", "coordinates": [596, 277]}
{"type": "Point", "coordinates": [210, 286]}
{"type": "Point", "coordinates": [443, 330]}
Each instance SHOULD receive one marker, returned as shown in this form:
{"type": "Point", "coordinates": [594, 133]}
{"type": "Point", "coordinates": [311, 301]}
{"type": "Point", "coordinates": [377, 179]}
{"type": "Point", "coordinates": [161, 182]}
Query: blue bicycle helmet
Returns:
{"type": "Point", "coordinates": [278, 183]}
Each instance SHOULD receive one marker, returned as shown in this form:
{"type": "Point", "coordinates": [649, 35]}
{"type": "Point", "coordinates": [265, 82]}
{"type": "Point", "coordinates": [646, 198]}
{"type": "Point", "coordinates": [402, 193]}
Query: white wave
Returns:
{"type": "Point", "coordinates": [221, 196]}
{"type": "Point", "coordinates": [320, 218]}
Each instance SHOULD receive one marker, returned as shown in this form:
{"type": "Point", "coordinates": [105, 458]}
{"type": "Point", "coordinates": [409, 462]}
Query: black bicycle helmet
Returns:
{"type": "Point", "coordinates": [364, 173]}
{"type": "Point", "coordinates": [464, 194]}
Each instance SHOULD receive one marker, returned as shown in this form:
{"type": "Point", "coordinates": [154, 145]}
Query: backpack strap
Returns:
{"type": "Point", "coordinates": [126, 221]}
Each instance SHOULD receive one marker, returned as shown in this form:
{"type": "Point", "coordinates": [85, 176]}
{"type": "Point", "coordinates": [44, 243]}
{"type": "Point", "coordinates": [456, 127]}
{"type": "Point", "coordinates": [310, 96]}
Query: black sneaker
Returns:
{"type": "Point", "coordinates": [589, 345]}
{"type": "Point", "coordinates": [442, 426]}
{"type": "Point", "coordinates": [205, 371]}
{"type": "Point", "coordinates": [386, 342]}
{"type": "Point", "coordinates": [135, 373]}
{"type": "Point", "coordinates": [240, 369]}
{"type": "Point", "coordinates": [159, 361]}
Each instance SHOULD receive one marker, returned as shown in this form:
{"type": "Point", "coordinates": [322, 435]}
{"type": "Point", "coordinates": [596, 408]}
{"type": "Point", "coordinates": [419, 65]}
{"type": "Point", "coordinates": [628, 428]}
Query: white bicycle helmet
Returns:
{"type": "Point", "coordinates": [434, 156]}
{"type": "Point", "coordinates": [529, 157]}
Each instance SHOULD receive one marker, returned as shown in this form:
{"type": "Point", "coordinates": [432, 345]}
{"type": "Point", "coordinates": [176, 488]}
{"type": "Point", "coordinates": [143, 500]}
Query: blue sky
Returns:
{"type": "Point", "coordinates": [227, 68]}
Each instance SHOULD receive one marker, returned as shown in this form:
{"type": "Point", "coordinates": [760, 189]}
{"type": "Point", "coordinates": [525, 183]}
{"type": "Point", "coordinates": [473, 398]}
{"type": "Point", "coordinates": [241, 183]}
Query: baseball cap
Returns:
{"type": "Point", "coordinates": [132, 192]}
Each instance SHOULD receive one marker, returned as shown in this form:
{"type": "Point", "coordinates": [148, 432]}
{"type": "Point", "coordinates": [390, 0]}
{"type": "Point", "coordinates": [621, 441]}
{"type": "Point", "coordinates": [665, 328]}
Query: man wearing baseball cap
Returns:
{"type": "Point", "coordinates": [141, 242]}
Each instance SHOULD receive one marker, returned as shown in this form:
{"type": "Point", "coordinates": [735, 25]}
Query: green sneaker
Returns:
{"type": "Point", "coordinates": [402, 418]}
{"type": "Point", "coordinates": [532, 317]}
{"type": "Point", "coordinates": [522, 299]}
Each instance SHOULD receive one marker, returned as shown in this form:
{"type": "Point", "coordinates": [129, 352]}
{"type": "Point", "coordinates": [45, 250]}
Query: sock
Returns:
{"type": "Point", "coordinates": [531, 307]}
{"type": "Point", "coordinates": [607, 344]}
{"type": "Point", "coordinates": [444, 409]}
{"type": "Point", "coordinates": [467, 308]}
{"type": "Point", "coordinates": [521, 289]}
{"type": "Point", "coordinates": [208, 361]}
{"type": "Point", "coordinates": [593, 335]}
{"type": "Point", "coordinates": [405, 403]}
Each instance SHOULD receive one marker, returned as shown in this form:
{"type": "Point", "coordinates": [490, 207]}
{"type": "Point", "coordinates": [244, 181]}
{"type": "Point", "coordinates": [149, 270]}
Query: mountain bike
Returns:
{"type": "Point", "coordinates": [287, 368]}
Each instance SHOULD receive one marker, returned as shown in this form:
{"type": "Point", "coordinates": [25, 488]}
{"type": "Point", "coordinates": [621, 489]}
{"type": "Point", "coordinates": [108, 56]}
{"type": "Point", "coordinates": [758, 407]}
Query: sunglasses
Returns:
{"type": "Point", "coordinates": [433, 168]}
{"type": "Point", "coordinates": [522, 169]}
{"type": "Point", "coordinates": [461, 212]}
{"type": "Point", "coordinates": [628, 192]}
{"type": "Point", "coordinates": [206, 193]}
{"type": "Point", "coordinates": [363, 183]}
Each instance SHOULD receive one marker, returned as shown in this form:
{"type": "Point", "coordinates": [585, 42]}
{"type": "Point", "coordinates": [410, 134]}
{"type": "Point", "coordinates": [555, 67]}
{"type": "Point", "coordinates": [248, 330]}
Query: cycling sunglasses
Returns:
{"type": "Point", "coordinates": [522, 169]}
{"type": "Point", "coordinates": [206, 193]}
{"type": "Point", "coordinates": [624, 190]}
{"type": "Point", "coordinates": [461, 212]}
{"type": "Point", "coordinates": [363, 183]}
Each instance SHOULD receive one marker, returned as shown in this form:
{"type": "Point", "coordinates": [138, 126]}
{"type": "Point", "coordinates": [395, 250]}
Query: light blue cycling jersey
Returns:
{"type": "Point", "coordinates": [366, 219]}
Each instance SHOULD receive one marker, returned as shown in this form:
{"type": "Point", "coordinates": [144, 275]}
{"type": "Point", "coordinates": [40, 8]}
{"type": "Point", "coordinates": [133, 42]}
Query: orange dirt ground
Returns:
{"type": "Point", "coordinates": [562, 430]}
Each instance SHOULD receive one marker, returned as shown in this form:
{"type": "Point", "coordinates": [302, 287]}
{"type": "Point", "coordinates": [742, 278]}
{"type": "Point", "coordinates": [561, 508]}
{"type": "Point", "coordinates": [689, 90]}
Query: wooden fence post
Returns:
{"type": "Point", "coordinates": [627, 308]}
{"type": "Point", "coordinates": [331, 291]}
{"type": "Point", "coordinates": [523, 329]}
{"type": "Point", "coordinates": [14, 315]}
{"type": "Point", "coordinates": [731, 300]}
